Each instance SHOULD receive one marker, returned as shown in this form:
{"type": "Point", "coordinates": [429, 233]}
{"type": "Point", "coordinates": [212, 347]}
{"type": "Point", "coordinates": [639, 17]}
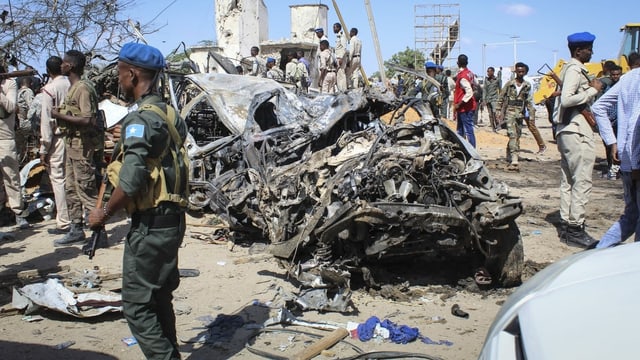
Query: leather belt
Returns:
{"type": "Point", "coordinates": [355, 56]}
{"type": "Point", "coordinates": [157, 221]}
{"type": "Point", "coordinates": [515, 102]}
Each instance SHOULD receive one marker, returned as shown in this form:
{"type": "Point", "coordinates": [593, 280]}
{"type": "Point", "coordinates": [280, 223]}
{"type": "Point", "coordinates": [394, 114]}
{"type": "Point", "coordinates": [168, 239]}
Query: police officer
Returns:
{"type": "Point", "coordinates": [576, 139]}
{"type": "Point", "coordinates": [152, 131]}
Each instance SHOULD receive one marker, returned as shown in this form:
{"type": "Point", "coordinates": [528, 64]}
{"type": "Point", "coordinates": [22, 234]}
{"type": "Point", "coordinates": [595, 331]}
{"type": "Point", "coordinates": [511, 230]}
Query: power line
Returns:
{"type": "Point", "coordinates": [161, 11]}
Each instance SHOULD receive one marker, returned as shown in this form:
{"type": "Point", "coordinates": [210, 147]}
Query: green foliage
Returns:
{"type": "Point", "coordinates": [407, 58]}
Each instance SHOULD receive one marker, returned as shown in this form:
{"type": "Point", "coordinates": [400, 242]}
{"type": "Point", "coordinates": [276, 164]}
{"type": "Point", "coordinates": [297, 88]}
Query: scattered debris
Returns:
{"type": "Point", "coordinates": [456, 311]}
{"type": "Point", "coordinates": [53, 295]}
{"type": "Point", "coordinates": [64, 345]}
{"type": "Point", "coordinates": [130, 341]}
{"type": "Point", "coordinates": [335, 190]}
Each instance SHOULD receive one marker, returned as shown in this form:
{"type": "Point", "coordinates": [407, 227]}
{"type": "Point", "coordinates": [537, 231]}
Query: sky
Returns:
{"type": "Point", "coordinates": [539, 28]}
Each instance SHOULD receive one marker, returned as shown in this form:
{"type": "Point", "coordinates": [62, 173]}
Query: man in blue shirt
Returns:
{"type": "Point", "coordinates": [625, 149]}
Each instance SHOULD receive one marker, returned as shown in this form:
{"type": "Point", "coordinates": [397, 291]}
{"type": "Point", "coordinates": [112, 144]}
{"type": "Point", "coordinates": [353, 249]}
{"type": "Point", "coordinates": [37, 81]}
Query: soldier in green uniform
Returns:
{"type": "Point", "coordinates": [513, 103]}
{"type": "Point", "coordinates": [151, 143]}
{"type": "Point", "coordinates": [76, 119]}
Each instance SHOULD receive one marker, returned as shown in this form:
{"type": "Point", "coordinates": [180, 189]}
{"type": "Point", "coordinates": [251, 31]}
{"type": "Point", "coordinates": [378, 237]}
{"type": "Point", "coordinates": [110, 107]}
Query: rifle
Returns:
{"type": "Point", "coordinates": [18, 73]}
{"type": "Point", "coordinates": [100, 232]}
{"type": "Point", "coordinates": [588, 115]}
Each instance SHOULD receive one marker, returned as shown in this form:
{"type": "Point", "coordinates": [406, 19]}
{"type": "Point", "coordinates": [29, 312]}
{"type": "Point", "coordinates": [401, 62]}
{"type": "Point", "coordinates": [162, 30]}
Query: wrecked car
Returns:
{"type": "Point", "coordinates": [336, 190]}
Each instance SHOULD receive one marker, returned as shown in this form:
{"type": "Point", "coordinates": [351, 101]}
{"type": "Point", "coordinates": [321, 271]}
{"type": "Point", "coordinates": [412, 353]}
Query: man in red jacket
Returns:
{"type": "Point", "coordinates": [464, 103]}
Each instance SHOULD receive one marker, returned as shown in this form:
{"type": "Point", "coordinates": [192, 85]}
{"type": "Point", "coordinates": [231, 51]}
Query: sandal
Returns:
{"type": "Point", "coordinates": [482, 277]}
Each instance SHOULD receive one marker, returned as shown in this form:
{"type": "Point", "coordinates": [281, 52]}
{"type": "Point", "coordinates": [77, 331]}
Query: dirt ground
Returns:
{"type": "Point", "coordinates": [232, 278]}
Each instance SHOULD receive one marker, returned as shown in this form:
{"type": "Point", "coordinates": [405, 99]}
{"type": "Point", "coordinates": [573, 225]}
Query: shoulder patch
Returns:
{"type": "Point", "coordinates": [134, 130]}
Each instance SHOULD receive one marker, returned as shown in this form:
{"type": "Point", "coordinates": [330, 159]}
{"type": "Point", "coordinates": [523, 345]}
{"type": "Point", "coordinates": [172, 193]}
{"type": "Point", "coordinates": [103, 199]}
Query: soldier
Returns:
{"type": "Point", "coordinates": [23, 126]}
{"type": "Point", "coordinates": [442, 79]}
{"type": "Point", "coordinates": [492, 86]}
{"type": "Point", "coordinates": [515, 98]}
{"type": "Point", "coordinates": [355, 58]}
{"type": "Point", "coordinates": [10, 192]}
{"type": "Point", "coordinates": [273, 72]}
{"type": "Point", "coordinates": [342, 57]}
{"type": "Point", "coordinates": [431, 92]}
{"type": "Point", "coordinates": [530, 120]}
{"type": "Point", "coordinates": [575, 138]}
{"type": "Point", "coordinates": [77, 119]}
{"type": "Point", "coordinates": [153, 136]}
{"type": "Point", "coordinates": [296, 72]}
{"type": "Point", "coordinates": [327, 68]}
{"type": "Point", "coordinates": [52, 147]}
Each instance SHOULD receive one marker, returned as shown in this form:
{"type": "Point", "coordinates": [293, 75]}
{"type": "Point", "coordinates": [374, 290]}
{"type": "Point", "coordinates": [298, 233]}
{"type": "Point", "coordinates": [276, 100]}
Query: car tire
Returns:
{"type": "Point", "coordinates": [506, 259]}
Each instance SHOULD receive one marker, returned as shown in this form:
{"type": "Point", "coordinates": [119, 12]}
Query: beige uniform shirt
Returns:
{"type": "Point", "coordinates": [53, 95]}
{"type": "Point", "coordinates": [8, 96]}
{"type": "Point", "coordinates": [355, 47]}
{"type": "Point", "coordinates": [341, 44]}
{"type": "Point", "coordinates": [326, 61]}
{"type": "Point", "coordinates": [575, 91]}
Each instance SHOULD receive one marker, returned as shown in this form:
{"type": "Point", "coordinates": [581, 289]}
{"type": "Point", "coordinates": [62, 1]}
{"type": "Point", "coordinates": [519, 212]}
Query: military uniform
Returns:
{"type": "Point", "coordinates": [10, 192]}
{"type": "Point", "coordinates": [52, 145]}
{"type": "Point", "coordinates": [327, 62]}
{"type": "Point", "coordinates": [149, 173]}
{"type": "Point", "coordinates": [150, 262]}
{"type": "Point", "coordinates": [80, 148]}
{"type": "Point", "coordinates": [576, 144]}
{"type": "Point", "coordinates": [490, 94]}
{"type": "Point", "coordinates": [511, 104]}
{"type": "Point", "coordinates": [355, 59]}
{"type": "Point", "coordinates": [342, 59]}
{"type": "Point", "coordinates": [275, 74]}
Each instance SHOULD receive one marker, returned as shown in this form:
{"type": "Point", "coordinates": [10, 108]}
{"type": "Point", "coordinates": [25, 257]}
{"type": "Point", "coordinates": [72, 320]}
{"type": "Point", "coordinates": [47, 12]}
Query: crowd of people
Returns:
{"type": "Point", "coordinates": [71, 148]}
{"type": "Point", "coordinates": [336, 70]}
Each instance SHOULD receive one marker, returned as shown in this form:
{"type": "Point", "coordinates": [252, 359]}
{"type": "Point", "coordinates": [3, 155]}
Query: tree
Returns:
{"type": "Point", "coordinates": [407, 58]}
{"type": "Point", "coordinates": [32, 29]}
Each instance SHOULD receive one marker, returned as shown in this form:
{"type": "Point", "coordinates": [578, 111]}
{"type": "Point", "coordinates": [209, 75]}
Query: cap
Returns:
{"type": "Point", "coordinates": [271, 60]}
{"type": "Point", "coordinates": [440, 67]}
{"type": "Point", "coordinates": [430, 65]}
{"type": "Point", "coordinates": [141, 55]}
{"type": "Point", "coordinates": [582, 37]}
{"type": "Point", "coordinates": [319, 30]}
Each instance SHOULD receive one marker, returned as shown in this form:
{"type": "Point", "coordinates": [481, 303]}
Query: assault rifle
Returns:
{"type": "Point", "coordinates": [98, 233]}
{"type": "Point", "coordinates": [18, 73]}
{"type": "Point", "coordinates": [588, 115]}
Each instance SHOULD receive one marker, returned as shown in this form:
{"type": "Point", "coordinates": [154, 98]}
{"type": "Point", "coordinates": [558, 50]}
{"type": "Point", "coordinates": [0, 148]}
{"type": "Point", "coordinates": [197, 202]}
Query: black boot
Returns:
{"type": "Point", "coordinates": [74, 236]}
{"type": "Point", "coordinates": [577, 236]}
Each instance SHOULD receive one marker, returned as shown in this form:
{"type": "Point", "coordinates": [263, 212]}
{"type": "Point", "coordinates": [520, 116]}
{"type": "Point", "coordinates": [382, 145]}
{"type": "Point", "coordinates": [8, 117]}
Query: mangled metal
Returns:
{"type": "Point", "coordinates": [335, 190]}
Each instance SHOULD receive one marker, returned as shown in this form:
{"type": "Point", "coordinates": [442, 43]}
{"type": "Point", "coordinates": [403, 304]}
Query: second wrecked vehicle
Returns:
{"type": "Point", "coordinates": [336, 191]}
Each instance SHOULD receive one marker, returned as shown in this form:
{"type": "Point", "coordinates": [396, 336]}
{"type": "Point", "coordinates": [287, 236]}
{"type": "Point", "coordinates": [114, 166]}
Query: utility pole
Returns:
{"type": "Point", "coordinates": [515, 43]}
{"type": "Point", "coordinates": [376, 43]}
{"type": "Point", "coordinates": [348, 35]}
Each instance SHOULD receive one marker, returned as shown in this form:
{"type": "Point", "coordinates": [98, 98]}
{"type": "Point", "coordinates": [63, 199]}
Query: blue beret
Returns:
{"type": "Point", "coordinates": [430, 65]}
{"type": "Point", "coordinates": [582, 37]}
{"type": "Point", "coordinates": [319, 30]}
{"type": "Point", "coordinates": [141, 55]}
{"type": "Point", "coordinates": [440, 67]}
{"type": "Point", "coordinates": [271, 60]}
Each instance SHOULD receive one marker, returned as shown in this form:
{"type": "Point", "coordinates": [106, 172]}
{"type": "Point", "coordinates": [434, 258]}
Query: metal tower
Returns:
{"type": "Point", "coordinates": [437, 33]}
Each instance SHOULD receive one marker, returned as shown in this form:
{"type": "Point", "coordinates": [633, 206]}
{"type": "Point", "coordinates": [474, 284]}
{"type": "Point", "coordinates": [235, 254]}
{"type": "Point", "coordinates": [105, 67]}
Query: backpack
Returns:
{"type": "Point", "coordinates": [157, 191]}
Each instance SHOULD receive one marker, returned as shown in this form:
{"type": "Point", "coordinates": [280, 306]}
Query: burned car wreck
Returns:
{"type": "Point", "coordinates": [336, 191]}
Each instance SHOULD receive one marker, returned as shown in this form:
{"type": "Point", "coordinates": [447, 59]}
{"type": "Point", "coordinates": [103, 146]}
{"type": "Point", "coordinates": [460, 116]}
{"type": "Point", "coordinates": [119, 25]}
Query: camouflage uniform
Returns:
{"type": "Point", "coordinates": [490, 97]}
{"type": "Point", "coordinates": [512, 104]}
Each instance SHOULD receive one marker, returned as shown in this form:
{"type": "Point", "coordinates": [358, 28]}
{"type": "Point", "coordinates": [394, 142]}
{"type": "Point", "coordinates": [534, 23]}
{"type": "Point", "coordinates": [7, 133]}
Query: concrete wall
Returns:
{"type": "Point", "coordinates": [241, 24]}
{"type": "Point", "coordinates": [305, 19]}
